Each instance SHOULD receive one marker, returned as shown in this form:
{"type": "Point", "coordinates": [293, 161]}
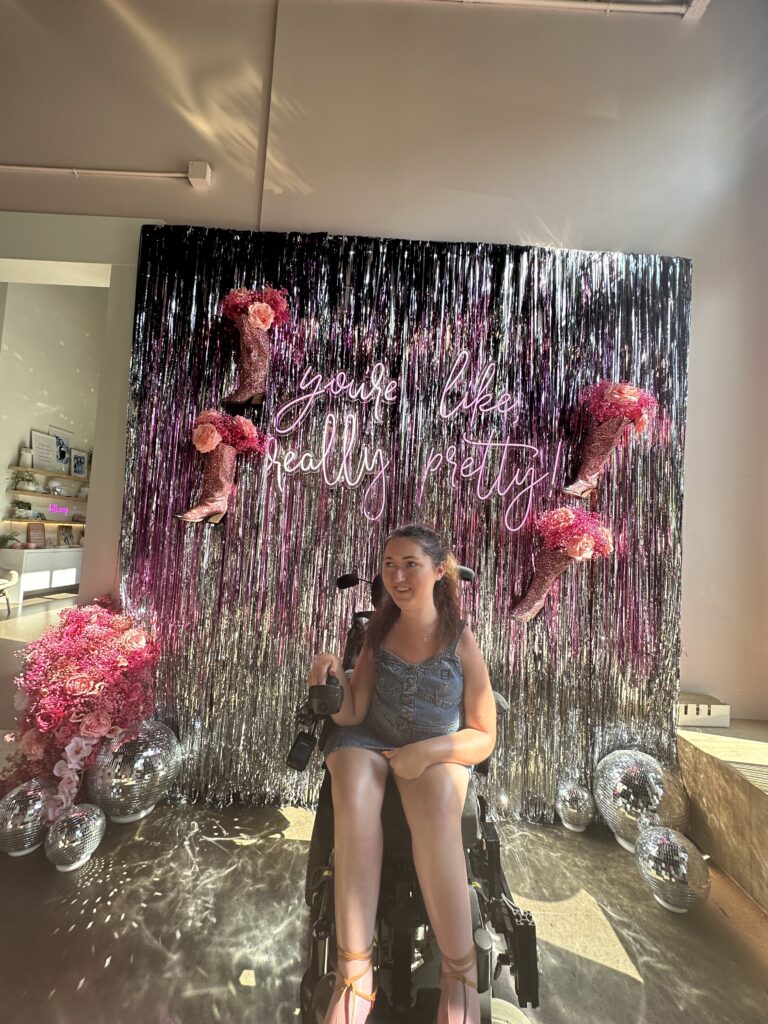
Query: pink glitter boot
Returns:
{"type": "Point", "coordinates": [254, 363]}
{"type": "Point", "coordinates": [602, 438]}
{"type": "Point", "coordinates": [218, 485]}
{"type": "Point", "coordinates": [550, 563]}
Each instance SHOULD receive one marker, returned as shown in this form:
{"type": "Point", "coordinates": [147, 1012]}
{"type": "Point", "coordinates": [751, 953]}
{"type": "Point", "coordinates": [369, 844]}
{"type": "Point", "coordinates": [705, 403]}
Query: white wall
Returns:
{"type": "Point", "coordinates": [50, 363]}
{"type": "Point", "coordinates": [454, 121]}
{"type": "Point", "coordinates": [622, 133]}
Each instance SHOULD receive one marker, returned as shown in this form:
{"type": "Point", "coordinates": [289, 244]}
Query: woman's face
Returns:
{"type": "Point", "coordinates": [409, 573]}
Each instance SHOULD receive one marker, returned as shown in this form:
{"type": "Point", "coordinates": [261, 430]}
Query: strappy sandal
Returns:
{"type": "Point", "coordinates": [348, 984]}
{"type": "Point", "coordinates": [458, 971]}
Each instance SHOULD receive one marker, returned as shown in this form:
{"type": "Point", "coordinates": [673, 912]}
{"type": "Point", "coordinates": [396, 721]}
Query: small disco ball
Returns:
{"type": "Point", "coordinates": [574, 805]}
{"type": "Point", "coordinates": [648, 819]}
{"type": "Point", "coordinates": [628, 783]}
{"type": "Point", "coordinates": [74, 836]}
{"type": "Point", "coordinates": [24, 816]}
{"type": "Point", "coordinates": [134, 770]}
{"type": "Point", "coordinates": [672, 868]}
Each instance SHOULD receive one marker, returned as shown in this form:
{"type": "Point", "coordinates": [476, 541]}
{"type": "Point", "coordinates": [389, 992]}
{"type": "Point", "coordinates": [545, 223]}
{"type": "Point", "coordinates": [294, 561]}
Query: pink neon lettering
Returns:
{"type": "Point", "coordinates": [351, 466]}
{"type": "Point", "coordinates": [379, 389]}
{"type": "Point", "coordinates": [476, 398]}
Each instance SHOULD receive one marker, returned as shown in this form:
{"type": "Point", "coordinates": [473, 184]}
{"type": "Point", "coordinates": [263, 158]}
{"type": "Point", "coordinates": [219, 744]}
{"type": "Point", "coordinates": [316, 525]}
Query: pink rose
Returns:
{"type": "Point", "coordinates": [261, 315]}
{"type": "Point", "coordinates": [205, 437]}
{"type": "Point", "coordinates": [247, 429]}
{"type": "Point", "coordinates": [96, 724]}
{"type": "Point", "coordinates": [133, 640]}
{"type": "Point", "coordinates": [121, 622]}
{"type": "Point", "coordinates": [641, 423]}
{"type": "Point", "coordinates": [559, 518]}
{"type": "Point", "coordinates": [46, 720]}
{"type": "Point", "coordinates": [622, 394]}
{"type": "Point", "coordinates": [581, 548]}
{"type": "Point", "coordinates": [78, 684]}
{"type": "Point", "coordinates": [32, 745]}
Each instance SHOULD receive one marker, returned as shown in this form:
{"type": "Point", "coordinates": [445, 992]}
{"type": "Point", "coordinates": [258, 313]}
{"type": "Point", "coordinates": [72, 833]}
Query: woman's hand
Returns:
{"type": "Point", "coordinates": [408, 762]}
{"type": "Point", "coordinates": [321, 666]}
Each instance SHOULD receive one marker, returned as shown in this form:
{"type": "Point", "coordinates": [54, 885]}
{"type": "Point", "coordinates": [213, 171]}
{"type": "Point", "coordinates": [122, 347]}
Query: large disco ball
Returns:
{"type": "Point", "coordinates": [74, 836]}
{"type": "Point", "coordinates": [629, 782]}
{"type": "Point", "coordinates": [574, 805]}
{"type": "Point", "coordinates": [672, 868]}
{"type": "Point", "coordinates": [131, 772]}
{"type": "Point", "coordinates": [24, 816]}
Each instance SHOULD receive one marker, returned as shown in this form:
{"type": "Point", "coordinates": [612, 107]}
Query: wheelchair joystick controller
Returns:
{"type": "Point", "coordinates": [326, 698]}
{"type": "Point", "coordinates": [322, 700]}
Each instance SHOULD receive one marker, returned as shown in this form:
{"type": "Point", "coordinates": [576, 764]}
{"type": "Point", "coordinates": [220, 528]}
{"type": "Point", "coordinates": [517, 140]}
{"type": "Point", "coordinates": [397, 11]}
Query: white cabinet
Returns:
{"type": "Point", "coordinates": [41, 569]}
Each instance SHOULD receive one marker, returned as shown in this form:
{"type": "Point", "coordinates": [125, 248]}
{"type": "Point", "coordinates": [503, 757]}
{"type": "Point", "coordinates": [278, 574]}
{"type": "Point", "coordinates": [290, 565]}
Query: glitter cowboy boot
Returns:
{"type": "Point", "coordinates": [218, 485]}
{"type": "Point", "coordinates": [345, 1010]}
{"type": "Point", "coordinates": [601, 439]}
{"type": "Point", "coordinates": [458, 971]}
{"type": "Point", "coordinates": [254, 363]}
{"type": "Point", "coordinates": [550, 563]}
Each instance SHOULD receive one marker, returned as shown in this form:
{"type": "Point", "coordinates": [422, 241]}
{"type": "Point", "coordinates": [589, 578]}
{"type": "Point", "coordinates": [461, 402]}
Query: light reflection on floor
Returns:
{"type": "Point", "coordinates": [195, 915]}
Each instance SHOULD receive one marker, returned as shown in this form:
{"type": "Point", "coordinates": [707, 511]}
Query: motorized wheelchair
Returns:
{"type": "Point", "coordinates": [406, 952]}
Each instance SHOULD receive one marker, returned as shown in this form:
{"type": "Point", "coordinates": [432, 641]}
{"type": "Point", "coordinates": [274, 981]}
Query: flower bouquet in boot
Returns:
{"type": "Point", "coordinates": [613, 407]}
{"type": "Point", "coordinates": [254, 313]}
{"type": "Point", "coordinates": [220, 438]}
{"type": "Point", "coordinates": [570, 535]}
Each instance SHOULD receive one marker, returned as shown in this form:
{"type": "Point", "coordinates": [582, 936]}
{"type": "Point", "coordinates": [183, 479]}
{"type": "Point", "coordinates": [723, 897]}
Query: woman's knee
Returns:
{"type": "Point", "coordinates": [437, 797]}
{"type": "Point", "coordinates": [358, 778]}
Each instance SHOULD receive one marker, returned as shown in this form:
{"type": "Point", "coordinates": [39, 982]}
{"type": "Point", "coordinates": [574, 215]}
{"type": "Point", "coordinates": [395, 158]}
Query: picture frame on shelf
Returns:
{"type": "Point", "coordinates": [44, 451]}
{"type": "Point", "coordinates": [79, 463]}
{"type": "Point", "coordinates": [36, 534]}
{"type": "Point", "coordinates": [63, 439]}
{"type": "Point", "coordinates": [66, 537]}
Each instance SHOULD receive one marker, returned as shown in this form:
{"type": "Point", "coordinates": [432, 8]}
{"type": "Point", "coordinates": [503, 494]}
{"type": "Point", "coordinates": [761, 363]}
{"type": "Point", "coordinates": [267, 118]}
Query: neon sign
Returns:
{"type": "Point", "coordinates": [60, 509]}
{"type": "Point", "coordinates": [499, 466]}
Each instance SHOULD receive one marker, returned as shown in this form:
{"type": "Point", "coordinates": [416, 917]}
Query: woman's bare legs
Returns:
{"type": "Point", "coordinates": [358, 779]}
{"type": "Point", "coordinates": [433, 804]}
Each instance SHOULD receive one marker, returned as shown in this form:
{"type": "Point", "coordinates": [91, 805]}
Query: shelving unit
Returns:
{"type": "Point", "coordinates": [47, 496]}
{"type": "Point", "coordinates": [82, 480]}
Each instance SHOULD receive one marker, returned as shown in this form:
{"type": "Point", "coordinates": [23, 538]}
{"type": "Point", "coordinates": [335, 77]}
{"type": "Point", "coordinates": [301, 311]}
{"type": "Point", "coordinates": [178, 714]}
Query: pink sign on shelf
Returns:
{"type": "Point", "coordinates": [58, 509]}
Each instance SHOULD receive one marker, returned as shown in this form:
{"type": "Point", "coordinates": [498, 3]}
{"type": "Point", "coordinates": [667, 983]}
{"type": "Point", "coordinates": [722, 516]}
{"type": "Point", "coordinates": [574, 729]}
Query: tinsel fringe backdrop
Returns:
{"type": "Point", "coordinates": [240, 609]}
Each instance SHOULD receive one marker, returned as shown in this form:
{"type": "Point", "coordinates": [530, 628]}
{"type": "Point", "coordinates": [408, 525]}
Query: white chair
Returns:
{"type": "Point", "coordinates": [5, 586]}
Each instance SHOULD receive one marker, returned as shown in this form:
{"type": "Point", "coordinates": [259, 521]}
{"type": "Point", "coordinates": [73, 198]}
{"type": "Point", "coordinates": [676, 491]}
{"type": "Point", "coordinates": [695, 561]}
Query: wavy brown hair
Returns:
{"type": "Point", "coordinates": [446, 592]}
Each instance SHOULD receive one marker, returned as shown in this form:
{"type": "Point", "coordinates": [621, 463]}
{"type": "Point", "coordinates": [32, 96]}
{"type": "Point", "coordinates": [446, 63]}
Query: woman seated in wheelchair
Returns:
{"type": "Point", "coordinates": [419, 704]}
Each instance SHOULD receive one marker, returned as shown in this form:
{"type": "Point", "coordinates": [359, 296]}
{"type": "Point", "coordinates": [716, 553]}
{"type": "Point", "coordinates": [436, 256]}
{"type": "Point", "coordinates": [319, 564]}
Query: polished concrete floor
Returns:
{"type": "Point", "coordinates": [196, 915]}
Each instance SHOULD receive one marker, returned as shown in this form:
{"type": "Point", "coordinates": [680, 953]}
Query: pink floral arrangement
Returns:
{"type": "Point", "coordinates": [579, 532]}
{"type": "Point", "coordinates": [265, 307]}
{"type": "Point", "coordinates": [609, 400]}
{"type": "Point", "coordinates": [86, 679]}
{"type": "Point", "coordinates": [212, 428]}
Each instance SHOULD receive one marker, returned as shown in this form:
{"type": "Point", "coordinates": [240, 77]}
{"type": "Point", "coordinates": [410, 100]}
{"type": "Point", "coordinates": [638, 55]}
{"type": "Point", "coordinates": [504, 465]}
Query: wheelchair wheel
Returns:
{"type": "Point", "coordinates": [503, 1012]}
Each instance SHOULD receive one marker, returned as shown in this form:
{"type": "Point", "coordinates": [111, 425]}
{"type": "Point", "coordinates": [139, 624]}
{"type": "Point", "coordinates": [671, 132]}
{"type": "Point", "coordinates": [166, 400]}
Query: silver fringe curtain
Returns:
{"type": "Point", "coordinates": [240, 609]}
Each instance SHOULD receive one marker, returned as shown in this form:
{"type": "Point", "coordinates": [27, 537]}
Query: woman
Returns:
{"type": "Point", "coordinates": [419, 704]}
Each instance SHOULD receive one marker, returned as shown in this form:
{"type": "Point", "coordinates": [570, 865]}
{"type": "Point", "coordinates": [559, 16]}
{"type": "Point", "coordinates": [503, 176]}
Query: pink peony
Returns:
{"type": "Point", "coordinates": [261, 315]}
{"type": "Point", "coordinates": [581, 548]}
{"type": "Point", "coordinates": [32, 745]}
{"type": "Point", "coordinates": [622, 394]}
{"type": "Point", "coordinates": [96, 724]}
{"type": "Point", "coordinates": [558, 518]}
{"type": "Point", "coordinates": [205, 437]}
{"type": "Point", "coordinates": [46, 720]}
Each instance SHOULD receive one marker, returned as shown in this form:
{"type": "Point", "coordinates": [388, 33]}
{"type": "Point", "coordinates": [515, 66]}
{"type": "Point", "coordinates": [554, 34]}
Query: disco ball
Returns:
{"type": "Point", "coordinates": [574, 805]}
{"type": "Point", "coordinates": [629, 782]}
{"type": "Point", "coordinates": [131, 772]}
{"type": "Point", "coordinates": [648, 819]}
{"type": "Point", "coordinates": [74, 836]}
{"type": "Point", "coordinates": [24, 817]}
{"type": "Point", "coordinates": [672, 868]}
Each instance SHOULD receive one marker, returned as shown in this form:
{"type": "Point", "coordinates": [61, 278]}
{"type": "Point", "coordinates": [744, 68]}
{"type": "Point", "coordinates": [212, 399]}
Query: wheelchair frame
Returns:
{"type": "Point", "coordinates": [407, 955]}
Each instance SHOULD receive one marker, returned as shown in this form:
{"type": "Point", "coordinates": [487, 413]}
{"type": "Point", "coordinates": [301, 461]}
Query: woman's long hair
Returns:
{"type": "Point", "coordinates": [446, 592]}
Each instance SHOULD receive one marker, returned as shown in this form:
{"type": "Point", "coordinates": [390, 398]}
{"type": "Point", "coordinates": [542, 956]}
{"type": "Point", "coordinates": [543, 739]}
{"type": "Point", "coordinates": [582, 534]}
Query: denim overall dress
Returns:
{"type": "Point", "coordinates": [409, 703]}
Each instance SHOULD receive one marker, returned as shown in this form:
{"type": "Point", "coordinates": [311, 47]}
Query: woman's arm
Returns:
{"type": "Point", "coordinates": [470, 745]}
{"type": "Point", "coordinates": [358, 690]}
